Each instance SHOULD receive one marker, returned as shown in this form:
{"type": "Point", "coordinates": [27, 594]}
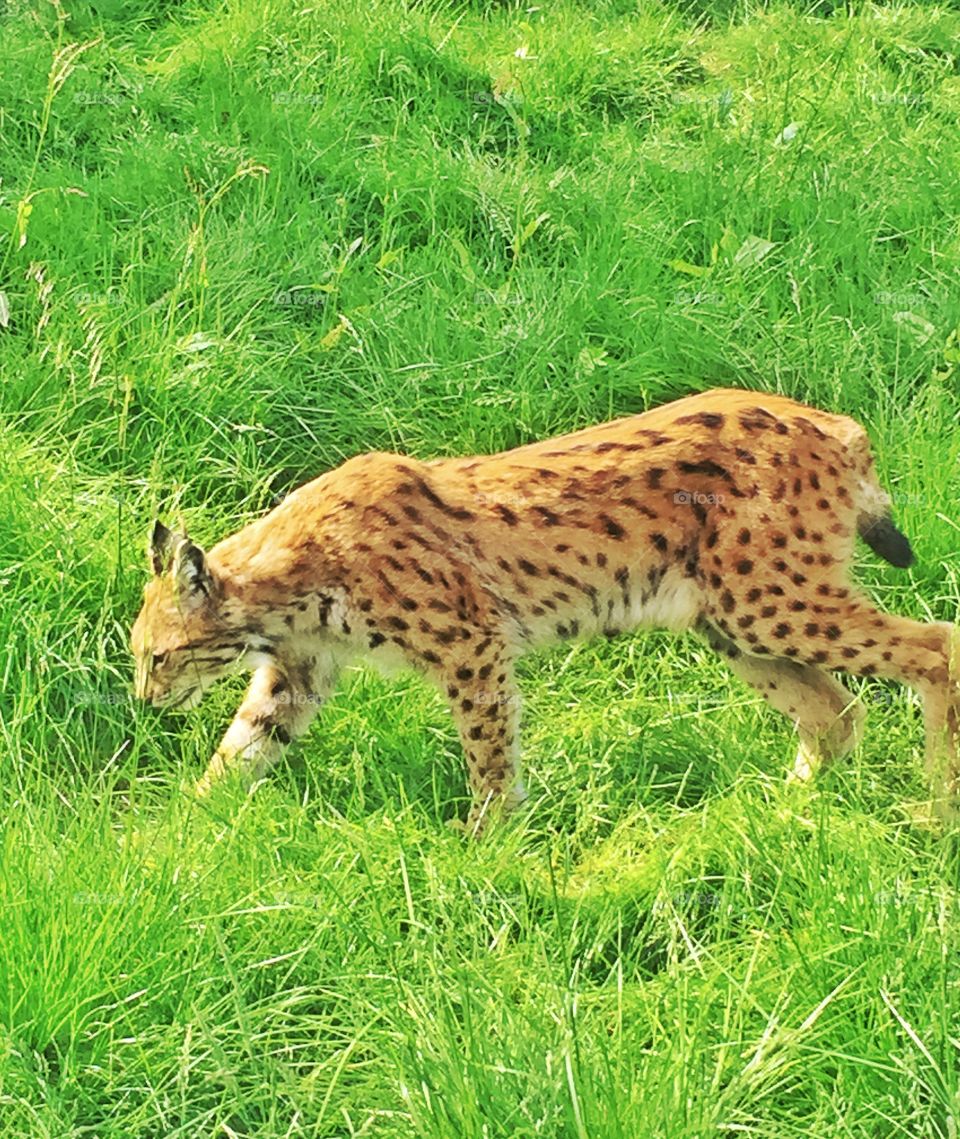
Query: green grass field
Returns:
{"type": "Point", "coordinates": [245, 239]}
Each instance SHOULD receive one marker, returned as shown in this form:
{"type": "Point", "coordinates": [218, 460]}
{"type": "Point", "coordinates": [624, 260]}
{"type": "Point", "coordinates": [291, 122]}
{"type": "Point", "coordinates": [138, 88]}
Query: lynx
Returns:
{"type": "Point", "coordinates": [731, 513]}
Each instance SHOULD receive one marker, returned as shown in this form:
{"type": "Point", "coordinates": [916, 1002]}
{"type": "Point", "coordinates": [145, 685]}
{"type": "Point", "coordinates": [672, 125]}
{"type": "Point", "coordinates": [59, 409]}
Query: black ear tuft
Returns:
{"type": "Point", "coordinates": [190, 573]}
{"type": "Point", "coordinates": [160, 548]}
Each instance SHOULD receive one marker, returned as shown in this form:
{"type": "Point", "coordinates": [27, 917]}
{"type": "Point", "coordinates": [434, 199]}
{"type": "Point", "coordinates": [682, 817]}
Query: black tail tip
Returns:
{"type": "Point", "coordinates": [886, 540]}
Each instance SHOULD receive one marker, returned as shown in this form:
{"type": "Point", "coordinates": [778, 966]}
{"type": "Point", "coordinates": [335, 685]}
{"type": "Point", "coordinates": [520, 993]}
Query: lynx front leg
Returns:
{"type": "Point", "coordinates": [485, 703]}
{"type": "Point", "coordinates": [274, 712]}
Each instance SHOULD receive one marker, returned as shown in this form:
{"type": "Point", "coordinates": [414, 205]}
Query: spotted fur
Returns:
{"type": "Point", "coordinates": [731, 512]}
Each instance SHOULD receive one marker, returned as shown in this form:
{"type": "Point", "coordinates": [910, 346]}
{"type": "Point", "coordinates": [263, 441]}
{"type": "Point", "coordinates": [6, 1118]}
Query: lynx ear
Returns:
{"type": "Point", "coordinates": [175, 553]}
{"type": "Point", "coordinates": [191, 577]}
{"type": "Point", "coordinates": [160, 548]}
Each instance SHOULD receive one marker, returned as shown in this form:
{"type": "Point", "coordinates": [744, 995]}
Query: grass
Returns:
{"type": "Point", "coordinates": [243, 241]}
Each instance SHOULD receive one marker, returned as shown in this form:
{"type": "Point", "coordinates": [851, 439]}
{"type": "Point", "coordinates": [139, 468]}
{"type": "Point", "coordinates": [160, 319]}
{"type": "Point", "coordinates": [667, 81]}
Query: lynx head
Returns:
{"type": "Point", "coordinates": [179, 640]}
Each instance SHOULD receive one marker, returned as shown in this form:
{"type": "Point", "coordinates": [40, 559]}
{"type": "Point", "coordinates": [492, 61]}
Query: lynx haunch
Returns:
{"type": "Point", "coordinates": [733, 513]}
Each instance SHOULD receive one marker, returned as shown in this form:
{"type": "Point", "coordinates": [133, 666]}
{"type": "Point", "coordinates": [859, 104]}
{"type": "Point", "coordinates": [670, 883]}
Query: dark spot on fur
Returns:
{"type": "Point", "coordinates": [612, 527]}
{"type": "Point", "coordinates": [707, 467]}
{"type": "Point", "coordinates": [549, 518]}
{"type": "Point", "coordinates": [704, 418]}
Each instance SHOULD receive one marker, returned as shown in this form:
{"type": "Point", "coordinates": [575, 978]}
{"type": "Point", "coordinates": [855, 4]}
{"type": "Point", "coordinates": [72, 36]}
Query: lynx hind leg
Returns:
{"type": "Point", "coordinates": [924, 655]}
{"type": "Point", "coordinates": [844, 632]}
{"type": "Point", "coordinates": [829, 719]}
{"type": "Point", "coordinates": [485, 703]}
{"type": "Point", "coordinates": [942, 724]}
